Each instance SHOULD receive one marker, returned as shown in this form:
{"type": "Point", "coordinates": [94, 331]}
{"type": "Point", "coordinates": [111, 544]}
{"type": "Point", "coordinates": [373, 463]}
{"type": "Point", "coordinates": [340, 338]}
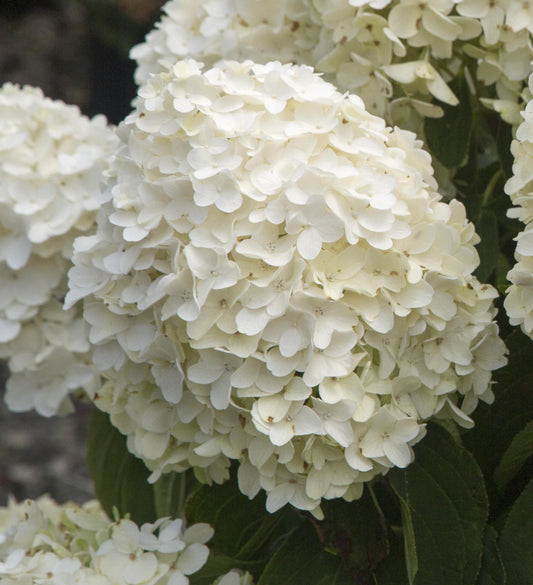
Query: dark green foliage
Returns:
{"type": "Point", "coordinates": [498, 424]}
{"type": "Point", "coordinates": [357, 533]}
{"type": "Point", "coordinates": [444, 510]}
{"type": "Point", "coordinates": [243, 527]}
{"type": "Point", "coordinates": [491, 571]}
{"type": "Point", "coordinates": [302, 560]}
{"type": "Point", "coordinates": [515, 457]}
{"type": "Point", "coordinates": [448, 138]}
{"type": "Point", "coordinates": [517, 538]}
{"type": "Point", "coordinates": [120, 479]}
{"type": "Point", "coordinates": [393, 569]}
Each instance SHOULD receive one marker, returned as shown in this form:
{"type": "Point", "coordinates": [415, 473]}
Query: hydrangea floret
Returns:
{"type": "Point", "coordinates": [519, 300]}
{"type": "Point", "coordinates": [398, 55]}
{"type": "Point", "coordinates": [48, 543]}
{"type": "Point", "coordinates": [276, 280]}
{"type": "Point", "coordinates": [51, 164]}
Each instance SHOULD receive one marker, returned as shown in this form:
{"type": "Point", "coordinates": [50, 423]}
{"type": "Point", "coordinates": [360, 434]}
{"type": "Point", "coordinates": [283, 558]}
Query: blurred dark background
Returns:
{"type": "Point", "coordinates": [76, 51]}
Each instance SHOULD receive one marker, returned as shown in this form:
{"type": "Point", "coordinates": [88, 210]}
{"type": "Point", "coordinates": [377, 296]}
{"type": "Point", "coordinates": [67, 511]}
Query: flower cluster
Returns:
{"type": "Point", "coordinates": [46, 543]}
{"type": "Point", "coordinates": [275, 279]}
{"type": "Point", "coordinates": [51, 164]}
{"type": "Point", "coordinates": [398, 55]}
{"type": "Point", "coordinates": [286, 30]}
{"type": "Point", "coordinates": [519, 300]}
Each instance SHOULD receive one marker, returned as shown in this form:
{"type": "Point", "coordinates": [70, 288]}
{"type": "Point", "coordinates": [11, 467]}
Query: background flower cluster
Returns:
{"type": "Point", "coordinates": [43, 542]}
{"type": "Point", "coordinates": [398, 55]}
{"type": "Point", "coordinates": [51, 164]}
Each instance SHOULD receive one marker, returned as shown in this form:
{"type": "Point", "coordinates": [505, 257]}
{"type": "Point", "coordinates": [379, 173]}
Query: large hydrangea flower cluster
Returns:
{"type": "Point", "coordinates": [396, 54]}
{"type": "Point", "coordinates": [276, 280]}
{"type": "Point", "coordinates": [47, 543]}
{"type": "Point", "coordinates": [51, 164]}
{"type": "Point", "coordinates": [519, 300]}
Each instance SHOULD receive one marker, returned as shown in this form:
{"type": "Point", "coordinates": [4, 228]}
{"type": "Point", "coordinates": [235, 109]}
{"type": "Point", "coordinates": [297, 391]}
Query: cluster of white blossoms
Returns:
{"type": "Point", "coordinates": [275, 280]}
{"type": "Point", "coordinates": [47, 543]}
{"type": "Point", "coordinates": [397, 55]}
{"type": "Point", "coordinates": [285, 30]}
{"type": "Point", "coordinates": [51, 164]}
{"type": "Point", "coordinates": [519, 300]}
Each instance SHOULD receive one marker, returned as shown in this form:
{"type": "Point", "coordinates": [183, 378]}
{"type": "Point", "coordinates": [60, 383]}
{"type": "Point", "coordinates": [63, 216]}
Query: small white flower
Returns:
{"type": "Point", "coordinates": [336, 419]}
{"type": "Point", "coordinates": [215, 368]}
{"type": "Point", "coordinates": [328, 316]}
{"type": "Point", "coordinates": [211, 269]}
{"type": "Point", "coordinates": [282, 418]}
{"type": "Point", "coordinates": [390, 437]}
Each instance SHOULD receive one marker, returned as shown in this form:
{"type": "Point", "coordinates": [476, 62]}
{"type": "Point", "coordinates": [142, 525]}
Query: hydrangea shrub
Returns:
{"type": "Point", "coordinates": [284, 270]}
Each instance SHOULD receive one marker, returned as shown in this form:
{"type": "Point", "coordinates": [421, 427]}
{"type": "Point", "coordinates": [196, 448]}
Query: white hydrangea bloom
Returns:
{"type": "Point", "coordinates": [51, 164]}
{"type": "Point", "coordinates": [519, 300]}
{"type": "Point", "coordinates": [309, 327]}
{"type": "Point", "coordinates": [237, 29]}
{"type": "Point", "coordinates": [398, 55]}
{"type": "Point", "coordinates": [43, 542]}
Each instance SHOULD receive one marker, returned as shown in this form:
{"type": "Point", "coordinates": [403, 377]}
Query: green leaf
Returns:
{"type": "Point", "coordinates": [504, 137]}
{"type": "Point", "coordinates": [517, 538]}
{"type": "Point", "coordinates": [502, 268]}
{"type": "Point", "coordinates": [445, 509]}
{"type": "Point", "coordinates": [410, 543]}
{"type": "Point", "coordinates": [260, 535]}
{"type": "Point", "coordinates": [497, 424]}
{"type": "Point", "coordinates": [488, 249]}
{"type": "Point", "coordinates": [491, 571]}
{"type": "Point", "coordinates": [170, 491]}
{"type": "Point", "coordinates": [518, 452]}
{"type": "Point", "coordinates": [244, 530]}
{"type": "Point", "coordinates": [393, 571]}
{"type": "Point", "coordinates": [302, 560]}
{"type": "Point", "coordinates": [448, 138]}
{"type": "Point", "coordinates": [357, 533]}
{"type": "Point", "coordinates": [120, 479]}
{"type": "Point", "coordinates": [228, 511]}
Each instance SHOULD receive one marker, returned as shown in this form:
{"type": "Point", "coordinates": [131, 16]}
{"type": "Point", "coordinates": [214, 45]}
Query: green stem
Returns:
{"type": "Point", "coordinates": [490, 188]}
{"type": "Point", "coordinates": [375, 501]}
